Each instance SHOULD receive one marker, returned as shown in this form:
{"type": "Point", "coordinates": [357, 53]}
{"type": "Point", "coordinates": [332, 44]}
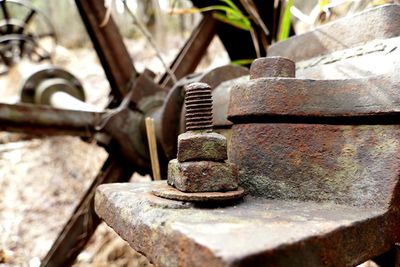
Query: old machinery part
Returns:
{"type": "Point", "coordinates": [141, 101]}
{"type": "Point", "coordinates": [25, 32]}
{"type": "Point", "coordinates": [272, 67]}
{"type": "Point", "coordinates": [318, 159]}
{"type": "Point", "coordinates": [51, 84]}
{"type": "Point", "coordinates": [46, 120]}
{"type": "Point", "coordinates": [200, 171]}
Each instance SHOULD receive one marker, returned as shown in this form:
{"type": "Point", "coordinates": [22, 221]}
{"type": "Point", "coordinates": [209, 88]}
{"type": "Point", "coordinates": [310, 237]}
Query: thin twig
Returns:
{"type": "Point", "coordinates": [108, 4]}
{"type": "Point", "coordinates": [255, 41]}
{"type": "Point", "coordinates": [173, 5]}
{"type": "Point", "coordinates": [251, 8]}
{"type": "Point", "coordinates": [151, 137]}
{"type": "Point", "coordinates": [150, 39]}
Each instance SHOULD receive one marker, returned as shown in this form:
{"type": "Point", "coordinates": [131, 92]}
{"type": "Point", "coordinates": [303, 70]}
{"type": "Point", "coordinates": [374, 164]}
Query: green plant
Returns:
{"type": "Point", "coordinates": [285, 22]}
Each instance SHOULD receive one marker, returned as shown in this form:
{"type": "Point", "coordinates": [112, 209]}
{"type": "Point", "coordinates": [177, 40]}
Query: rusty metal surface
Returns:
{"type": "Point", "coordinates": [272, 67]}
{"type": "Point", "coordinates": [80, 227]}
{"type": "Point", "coordinates": [372, 58]}
{"type": "Point", "coordinates": [348, 164]}
{"type": "Point", "coordinates": [202, 176]}
{"type": "Point", "coordinates": [377, 23]}
{"type": "Point", "coordinates": [169, 192]}
{"type": "Point", "coordinates": [254, 232]}
{"type": "Point", "coordinates": [192, 52]}
{"type": "Point", "coordinates": [109, 46]}
{"type": "Point", "coordinates": [374, 96]}
{"type": "Point", "coordinates": [46, 120]}
{"type": "Point", "coordinates": [193, 146]}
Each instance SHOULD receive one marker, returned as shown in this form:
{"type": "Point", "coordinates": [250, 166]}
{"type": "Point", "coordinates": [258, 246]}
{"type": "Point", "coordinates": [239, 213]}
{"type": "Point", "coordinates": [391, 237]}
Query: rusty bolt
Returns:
{"type": "Point", "coordinates": [268, 67]}
{"type": "Point", "coordinates": [200, 165]}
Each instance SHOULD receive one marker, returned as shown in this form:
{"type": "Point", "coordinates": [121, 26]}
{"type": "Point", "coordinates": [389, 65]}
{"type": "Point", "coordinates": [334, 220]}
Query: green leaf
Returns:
{"type": "Point", "coordinates": [242, 62]}
{"type": "Point", "coordinates": [240, 24]}
{"type": "Point", "coordinates": [285, 22]}
{"type": "Point", "coordinates": [232, 15]}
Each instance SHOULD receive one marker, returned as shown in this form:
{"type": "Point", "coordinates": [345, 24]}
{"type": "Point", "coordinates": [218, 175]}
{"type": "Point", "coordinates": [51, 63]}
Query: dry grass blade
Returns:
{"type": "Point", "coordinates": [255, 16]}
{"type": "Point", "coordinates": [151, 41]}
{"type": "Point", "coordinates": [255, 41]}
{"type": "Point", "coordinates": [108, 4]}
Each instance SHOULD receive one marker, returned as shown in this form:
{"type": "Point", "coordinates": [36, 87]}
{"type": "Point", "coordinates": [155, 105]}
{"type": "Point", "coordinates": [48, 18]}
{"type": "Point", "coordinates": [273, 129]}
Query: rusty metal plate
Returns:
{"type": "Point", "coordinates": [254, 232]}
{"type": "Point", "coordinates": [320, 98]}
{"type": "Point", "coordinates": [377, 23]}
{"type": "Point", "coordinates": [165, 191]}
{"type": "Point", "coordinates": [373, 58]}
{"type": "Point", "coordinates": [347, 164]}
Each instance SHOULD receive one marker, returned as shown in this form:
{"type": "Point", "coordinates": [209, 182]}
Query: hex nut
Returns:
{"type": "Point", "coordinates": [202, 176]}
{"type": "Point", "coordinates": [193, 146]}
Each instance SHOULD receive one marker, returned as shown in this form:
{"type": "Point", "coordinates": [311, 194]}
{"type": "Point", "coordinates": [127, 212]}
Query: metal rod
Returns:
{"type": "Point", "coordinates": [45, 120]}
{"type": "Point", "coordinates": [64, 100]}
{"type": "Point", "coordinates": [109, 46]}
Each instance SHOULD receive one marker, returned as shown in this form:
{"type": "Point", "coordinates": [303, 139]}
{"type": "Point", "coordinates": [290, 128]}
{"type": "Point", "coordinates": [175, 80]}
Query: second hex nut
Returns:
{"type": "Point", "coordinates": [194, 146]}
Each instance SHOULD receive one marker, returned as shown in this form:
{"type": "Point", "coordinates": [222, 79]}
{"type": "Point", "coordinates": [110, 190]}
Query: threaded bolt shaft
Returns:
{"type": "Point", "coordinates": [199, 105]}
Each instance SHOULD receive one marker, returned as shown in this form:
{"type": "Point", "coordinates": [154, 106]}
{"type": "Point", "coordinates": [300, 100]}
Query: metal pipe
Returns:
{"type": "Point", "coordinates": [64, 100]}
{"type": "Point", "coordinates": [45, 120]}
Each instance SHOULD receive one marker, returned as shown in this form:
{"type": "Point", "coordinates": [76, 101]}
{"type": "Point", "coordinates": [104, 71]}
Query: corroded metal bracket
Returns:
{"type": "Point", "coordinates": [319, 160]}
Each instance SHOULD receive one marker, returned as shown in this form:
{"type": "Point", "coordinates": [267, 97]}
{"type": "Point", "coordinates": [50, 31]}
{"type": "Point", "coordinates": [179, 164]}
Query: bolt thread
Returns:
{"type": "Point", "coordinates": [198, 104]}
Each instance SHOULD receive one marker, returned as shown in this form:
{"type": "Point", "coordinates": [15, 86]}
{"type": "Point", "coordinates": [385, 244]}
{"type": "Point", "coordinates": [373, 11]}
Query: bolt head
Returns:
{"type": "Point", "coordinates": [202, 176]}
{"type": "Point", "coordinates": [195, 146]}
{"type": "Point", "coordinates": [269, 67]}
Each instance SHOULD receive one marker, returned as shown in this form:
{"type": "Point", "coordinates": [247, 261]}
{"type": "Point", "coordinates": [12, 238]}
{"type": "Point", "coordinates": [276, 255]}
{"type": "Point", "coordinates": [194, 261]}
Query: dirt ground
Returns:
{"type": "Point", "coordinates": [42, 180]}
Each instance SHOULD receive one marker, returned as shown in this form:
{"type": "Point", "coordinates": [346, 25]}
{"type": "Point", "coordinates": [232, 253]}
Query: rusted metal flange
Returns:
{"type": "Point", "coordinates": [165, 191]}
{"type": "Point", "coordinates": [39, 86]}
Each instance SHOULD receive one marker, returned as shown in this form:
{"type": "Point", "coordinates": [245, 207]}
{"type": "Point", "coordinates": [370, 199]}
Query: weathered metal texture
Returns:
{"type": "Point", "coordinates": [272, 67]}
{"type": "Point", "coordinates": [123, 125]}
{"type": "Point", "coordinates": [169, 192]}
{"type": "Point", "coordinates": [144, 88]}
{"type": "Point", "coordinates": [44, 120]}
{"type": "Point", "coordinates": [193, 146]}
{"type": "Point", "coordinates": [202, 176]}
{"type": "Point", "coordinates": [373, 58]}
{"type": "Point", "coordinates": [254, 232]}
{"type": "Point", "coordinates": [109, 46]}
{"type": "Point", "coordinates": [338, 51]}
{"type": "Point", "coordinates": [377, 23]}
{"type": "Point", "coordinates": [347, 164]}
{"type": "Point", "coordinates": [269, 97]}
{"type": "Point", "coordinates": [169, 125]}
{"type": "Point", "coordinates": [80, 227]}
{"type": "Point", "coordinates": [193, 51]}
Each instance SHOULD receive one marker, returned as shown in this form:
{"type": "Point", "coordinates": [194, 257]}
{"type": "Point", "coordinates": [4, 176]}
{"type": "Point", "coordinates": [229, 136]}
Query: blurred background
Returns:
{"type": "Point", "coordinates": [42, 180]}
